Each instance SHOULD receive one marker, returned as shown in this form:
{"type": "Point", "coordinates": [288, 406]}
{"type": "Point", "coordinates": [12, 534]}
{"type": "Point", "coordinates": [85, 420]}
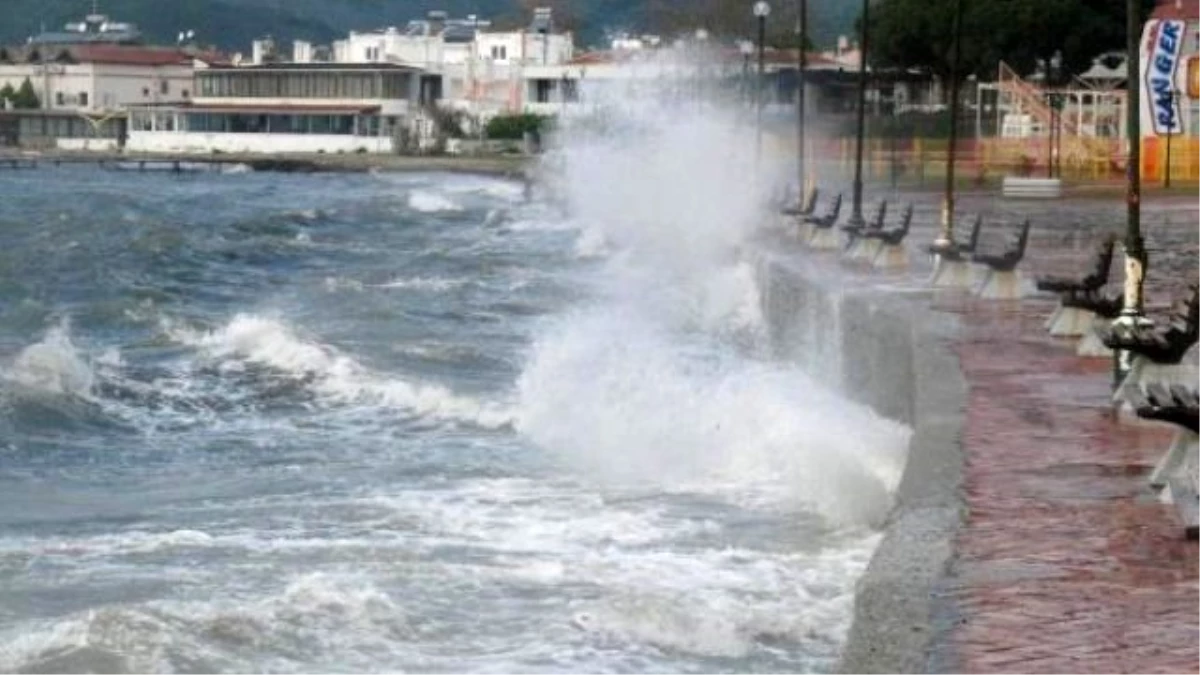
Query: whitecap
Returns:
{"type": "Point", "coordinates": [431, 202]}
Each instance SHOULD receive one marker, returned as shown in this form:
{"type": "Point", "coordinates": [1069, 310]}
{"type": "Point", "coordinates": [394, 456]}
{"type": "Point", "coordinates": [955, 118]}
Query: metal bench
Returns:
{"type": "Point", "coordinates": [1177, 470]}
{"type": "Point", "coordinates": [890, 252]}
{"type": "Point", "coordinates": [856, 244]}
{"type": "Point", "coordinates": [1002, 280]}
{"type": "Point", "coordinates": [805, 209]}
{"type": "Point", "coordinates": [1074, 321]}
{"type": "Point", "coordinates": [952, 268]}
{"type": "Point", "coordinates": [823, 236]}
{"type": "Point", "coordinates": [1103, 308]}
{"type": "Point", "coordinates": [1157, 350]}
{"type": "Point", "coordinates": [798, 213]}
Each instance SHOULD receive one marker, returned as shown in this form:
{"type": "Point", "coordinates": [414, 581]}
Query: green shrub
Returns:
{"type": "Point", "coordinates": [514, 127]}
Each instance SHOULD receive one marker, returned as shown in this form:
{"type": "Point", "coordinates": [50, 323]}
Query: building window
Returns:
{"type": "Point", "coordinates": [185, 93]}
{"type": "Point", "coordinates": [83, 99]}
{"type": "Point", "coordinates": [164, 87]}
{"type": "Point", "coordinates": [59, 99]}
{"type": "Point", "coordinates": [500, 52]}
{"type": "Point", "coordinates": [145, 91]}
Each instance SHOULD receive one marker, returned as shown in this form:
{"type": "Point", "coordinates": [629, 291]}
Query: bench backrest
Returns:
{"type": "Point", "coordinates": [1022, 241]}
{"type": "Point", "coordinates": [880, 214]}
{"type": "Point", "coordinates": [810, 204]}
{"type": "Point", "coordinates": [973, 240]}
{"type": "Point", "coordinates": [1102, 264]}
{"type": "Point", "coordinates": [1187, 310]}
{"type": "Point", "coordinates": [835, 208]}
{"type": "Point", "coordinates": [906, 218]}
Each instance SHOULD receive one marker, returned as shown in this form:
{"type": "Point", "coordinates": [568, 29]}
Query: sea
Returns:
{"type": "Point", "coordinates": [392, 422]}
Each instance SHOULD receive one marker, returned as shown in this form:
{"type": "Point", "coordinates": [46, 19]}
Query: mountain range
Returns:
{"type": "Point", "coordinates": [232, 24]}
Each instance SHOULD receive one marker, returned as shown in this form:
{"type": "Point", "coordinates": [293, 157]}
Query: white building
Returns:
{"type": "Point", "coordinates": [481, 69]}
{"type": "Point", "coordinates": [289, 108]}
{"type": "Point", "coordinates": [100, 78]}
{"type": "Point", "coordinates": [85, 77]}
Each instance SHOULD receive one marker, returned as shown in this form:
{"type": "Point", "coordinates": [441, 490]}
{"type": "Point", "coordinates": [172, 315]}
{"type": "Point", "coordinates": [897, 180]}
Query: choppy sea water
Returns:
{"type": "Point", "coordinates": [262, 422]}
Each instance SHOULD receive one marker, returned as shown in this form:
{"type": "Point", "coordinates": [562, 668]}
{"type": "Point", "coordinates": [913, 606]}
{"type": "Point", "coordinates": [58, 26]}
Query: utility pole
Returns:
{"type": "Point", "coordinates": [856, 216]}
{"type": "Point", "coordinates": [801, 63]}
{"type": "Point", "coordinates": [1136, 261]}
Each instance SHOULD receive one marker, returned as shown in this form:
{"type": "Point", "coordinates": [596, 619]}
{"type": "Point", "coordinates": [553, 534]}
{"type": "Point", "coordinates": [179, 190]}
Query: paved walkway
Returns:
{"type": "Point", "coordinates": [1065, 563]}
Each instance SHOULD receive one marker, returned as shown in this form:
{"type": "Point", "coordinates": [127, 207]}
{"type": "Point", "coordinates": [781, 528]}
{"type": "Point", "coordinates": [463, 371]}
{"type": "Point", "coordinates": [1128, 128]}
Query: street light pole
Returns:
{"type": "Point", "coordinates": [856, 216]}
{"type": "Point", "coordinates": [801, 62]}
{"type": "Point", "coordinates": [761, 10]}
{"type": "Point", "coordinates": [945, 239]}
{"type": "Point", "coordinates": [1170, 133]}
{"type": "Point", "coordinates": [1136, 261]}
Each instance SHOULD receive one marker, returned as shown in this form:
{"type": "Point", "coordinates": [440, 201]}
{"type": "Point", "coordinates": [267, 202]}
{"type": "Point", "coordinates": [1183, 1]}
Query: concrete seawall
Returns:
{"type": "Point", "coordinates": [885, 349]}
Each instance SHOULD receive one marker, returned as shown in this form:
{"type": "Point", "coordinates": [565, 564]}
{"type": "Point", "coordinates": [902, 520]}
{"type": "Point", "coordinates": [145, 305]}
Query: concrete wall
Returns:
{"type": "Point", "coordinates": [888, 351]}
{"type": "Point", "coordinates": [195, 142]}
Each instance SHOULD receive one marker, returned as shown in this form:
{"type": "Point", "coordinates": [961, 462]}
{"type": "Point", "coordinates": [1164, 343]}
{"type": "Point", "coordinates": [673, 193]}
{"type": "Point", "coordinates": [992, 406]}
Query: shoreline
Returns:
{"type": "Point", "coordinates": [895, 355]}
{"type": "Point", "coordinates": [505, 166]}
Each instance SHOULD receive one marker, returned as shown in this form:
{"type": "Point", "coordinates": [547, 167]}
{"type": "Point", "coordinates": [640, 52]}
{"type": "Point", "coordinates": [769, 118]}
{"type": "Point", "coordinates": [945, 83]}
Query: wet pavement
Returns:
{"type": "Point", "coordinates": [1065, 561]}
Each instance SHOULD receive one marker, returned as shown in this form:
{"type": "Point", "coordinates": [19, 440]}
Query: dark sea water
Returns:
{"type": "Point", "coordinates": [263, 422]}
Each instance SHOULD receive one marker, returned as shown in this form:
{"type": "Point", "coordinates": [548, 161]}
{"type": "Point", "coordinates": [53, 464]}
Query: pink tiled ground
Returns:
{"type": "Point", "coordinates": [1065, 562]}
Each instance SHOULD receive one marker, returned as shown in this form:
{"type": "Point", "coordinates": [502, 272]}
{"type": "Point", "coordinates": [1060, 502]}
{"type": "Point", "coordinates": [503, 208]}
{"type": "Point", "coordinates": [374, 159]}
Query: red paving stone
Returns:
{"type": "Point", "coordinates": [1065, 563]}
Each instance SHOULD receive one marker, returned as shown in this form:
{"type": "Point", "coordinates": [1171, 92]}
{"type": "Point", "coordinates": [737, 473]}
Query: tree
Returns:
{"type": "Point", "coordinates": [26, 97]}
{"type": "Point", "coordinates": [919, 33]}
{"type": "Point", "coordinates": [6, 94]}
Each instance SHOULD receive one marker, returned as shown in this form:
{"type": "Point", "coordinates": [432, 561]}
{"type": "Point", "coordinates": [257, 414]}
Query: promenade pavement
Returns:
{"type": "Point", "coordinates": [1065, 561]}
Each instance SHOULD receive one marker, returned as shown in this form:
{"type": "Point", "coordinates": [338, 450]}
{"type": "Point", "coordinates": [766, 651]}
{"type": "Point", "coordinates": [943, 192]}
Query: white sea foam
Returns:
{"type": "Point", "coordinates": [333, 374]}
{"type": "Point", "coordinates": [427, 201]}
{"type": "Point", "coordinates": [424, 283]}
{"type": "Point", "coordinates": [659, 380]}
{"type": "Point", "coordinates": [341, 621]}
{"type": "Point", "coordinates": [53, 365]}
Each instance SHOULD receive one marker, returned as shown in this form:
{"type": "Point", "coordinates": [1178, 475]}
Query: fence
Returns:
{"type": "Point", "coordinates": [1080, 159]}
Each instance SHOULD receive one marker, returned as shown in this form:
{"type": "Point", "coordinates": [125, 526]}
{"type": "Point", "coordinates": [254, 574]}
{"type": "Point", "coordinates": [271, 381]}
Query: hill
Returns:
{"type": "Point", "coordinates": [233, 24]}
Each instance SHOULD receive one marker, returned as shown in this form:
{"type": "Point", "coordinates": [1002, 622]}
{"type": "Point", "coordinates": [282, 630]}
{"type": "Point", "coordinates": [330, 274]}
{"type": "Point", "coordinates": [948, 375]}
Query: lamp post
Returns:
{"type": "Point", "coordinates": [856, 216]}
{"type": "Point", "coordinates": [1136, 261]}
{"type": "Point", "coordinates": [801, 62]}
{"type": "Point", "coordinates": [746, 48]}
{"type": "Point", "coordinates": [761, 10]}
{"type": "Point", "coordinates": [945, 239]}
{"type": "Point", "coordinates": [1053, 68]}
{"type": "Point", "coordinates": [1171, 132]}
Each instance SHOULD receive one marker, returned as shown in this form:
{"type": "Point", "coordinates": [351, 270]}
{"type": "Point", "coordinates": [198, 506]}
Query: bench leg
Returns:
{"type": "Point", "coordinates": [823, 239]}
{"type": "Point", "coordinates": [950, 274]}
{"type": "Point", "coordinates": [1071, 322]}
{"type": "Point", "coordinates": [853, 248]}
{"type": "Point", "coordinates": [1143, 371]}
{"type": "Point", "coordinates": [1000, 285]}
{"type": "Point", "coordinates": [891, 257]}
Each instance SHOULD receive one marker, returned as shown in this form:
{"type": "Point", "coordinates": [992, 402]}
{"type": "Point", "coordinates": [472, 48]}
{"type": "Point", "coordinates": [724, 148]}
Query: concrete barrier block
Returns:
{"type": "Point", "coordinates": [951, 274]}
{"type": "Point", "coordinates": [1071, 322]}
{"type": "Point", "coordinates": [1001, 285]}
{"type": "Point", "coordinates": [1091, 346]}
{"type": "Point", "coordinates": [891, 257]}
{"type": "Point", "coordinates": [824, 239]}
